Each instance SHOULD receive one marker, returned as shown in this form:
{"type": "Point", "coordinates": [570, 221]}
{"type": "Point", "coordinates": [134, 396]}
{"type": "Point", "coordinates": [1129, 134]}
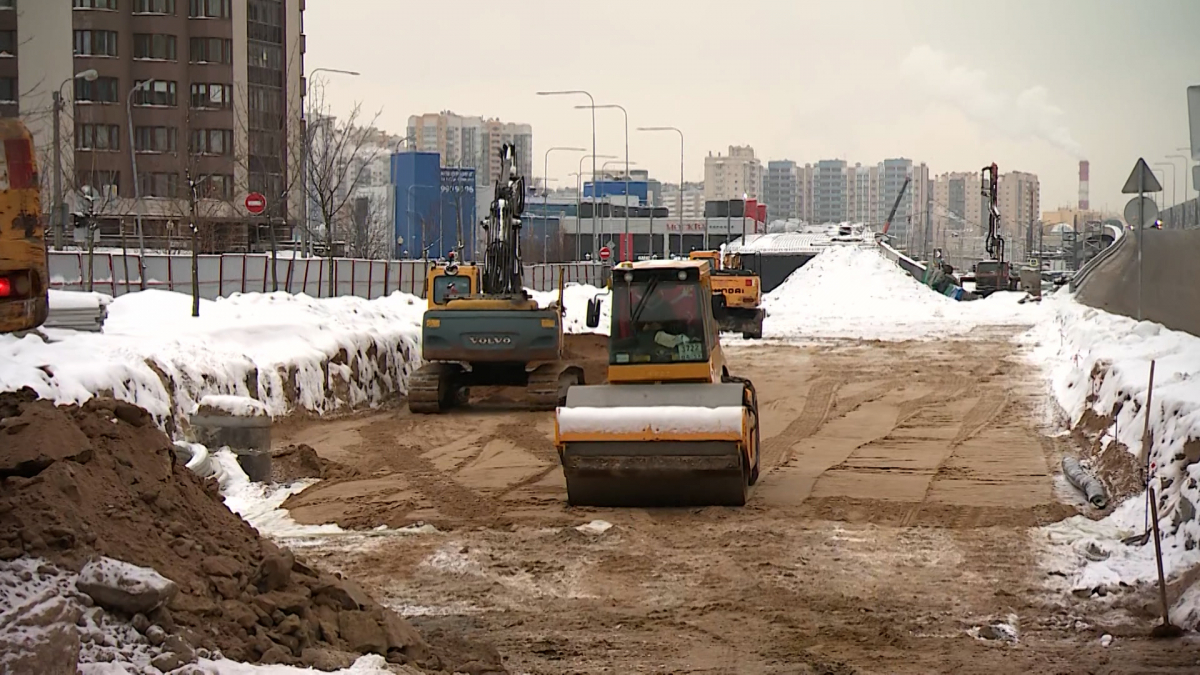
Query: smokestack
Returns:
{"type": "Point", "coordinates": [1083, 185]}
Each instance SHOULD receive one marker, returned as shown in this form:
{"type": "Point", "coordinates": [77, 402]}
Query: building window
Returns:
{"type": "Point", "coordinates": [158, 184]}
{"type": "Point", "coordinates": [8, 4]}
{"type": "Point", "coordinates": [8, 43]}
{"type": "Point", "coordinates": [211, 95]}
{"type": "Point", "coordinates": [105, 182]}
{"type": "Point", "coordinates": [95, 43]}
{"type": "Point", "coordinates": [160, 92]}
{"type": "Point", "coordinates": [95, 4]}
{"type": "Point", "coordinates": [156, 46]}
{"type": "Point", "coordinates": [211, 50]}
{"type": "Point", "coordinates": [211, 142]}
{"type": "Point", "coordinates": [215, 186]}
{"type": "Point", "coordinates": [97, 137]}
{"type": "Point", "coordinates": [210, 9]}
{"type": "Point", "coordinates": [102, 90]}
{"type": "Point", "coordinates": [8, 90]}
{"type": "Point", "coordinates": [155, 139]}
{"type": "Point", "coordinates": [265, 56]}
{"type": "Point", "coordinates": [154, 7]}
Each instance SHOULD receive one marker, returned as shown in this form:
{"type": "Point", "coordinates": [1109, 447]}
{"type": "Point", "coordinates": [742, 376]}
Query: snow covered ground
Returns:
{"type": "Point", "coordinates": [1073, 343]}
{"type": "Point", "coordinates": [852, 292]}
{"type": "Point", "coordinates": [286, 351]}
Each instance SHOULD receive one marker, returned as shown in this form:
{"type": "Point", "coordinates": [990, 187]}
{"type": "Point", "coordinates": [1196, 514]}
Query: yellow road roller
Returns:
{"type": "Point", "coordinates": [671, 427]}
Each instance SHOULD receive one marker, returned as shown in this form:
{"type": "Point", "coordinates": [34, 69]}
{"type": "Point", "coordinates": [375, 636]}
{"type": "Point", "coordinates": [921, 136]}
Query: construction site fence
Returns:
{"type": "Point", "coordinates": [224, 275]}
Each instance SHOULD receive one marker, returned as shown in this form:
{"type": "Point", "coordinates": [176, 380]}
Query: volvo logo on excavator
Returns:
{"type": "Point", "coordinates": [489, 340]}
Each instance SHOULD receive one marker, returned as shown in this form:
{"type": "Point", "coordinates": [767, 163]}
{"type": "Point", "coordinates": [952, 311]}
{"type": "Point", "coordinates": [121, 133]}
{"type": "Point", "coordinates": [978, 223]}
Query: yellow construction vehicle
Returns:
{"type": "Point", "coordinates": [672, 427]}
{"type": "Point", "coordinates": [24, 275]}
{"type": "Point", "coordinates": [483, 329]}
{"type": "Point", "coordinates": [739, 292]}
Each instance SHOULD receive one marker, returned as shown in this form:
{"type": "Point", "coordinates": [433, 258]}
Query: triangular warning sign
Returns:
{"type": "Point", "coordinates": [1141, 180]}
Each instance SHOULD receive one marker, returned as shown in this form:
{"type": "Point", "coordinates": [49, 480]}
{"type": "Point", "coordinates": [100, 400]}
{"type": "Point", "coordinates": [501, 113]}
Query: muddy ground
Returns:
{"type": "Point", "coordinates": [900, 484]}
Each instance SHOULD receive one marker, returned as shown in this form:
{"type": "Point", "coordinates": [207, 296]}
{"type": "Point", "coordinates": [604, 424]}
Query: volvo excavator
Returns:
{"type": "Point", "coordinates": [24, 275]}
{"type": "Point", "coordinates": [672, 427]}
{"type": "Point", "coordinates": [995, 273]}
{"type": "Point", "coordinates": [482, 328]}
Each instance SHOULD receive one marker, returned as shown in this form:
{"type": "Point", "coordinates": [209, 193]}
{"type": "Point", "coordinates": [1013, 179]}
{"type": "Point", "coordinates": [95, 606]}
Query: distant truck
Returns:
{"type": "Point", "coordinates": [994, 275]}
{"type": "Point", "coordinates": [737, 294]}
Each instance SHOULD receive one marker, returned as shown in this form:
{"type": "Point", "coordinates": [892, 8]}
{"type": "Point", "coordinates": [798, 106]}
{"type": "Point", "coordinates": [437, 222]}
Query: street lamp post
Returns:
{"type": "Point", "coordinates": [626, 114]}
{"type": "Point", "coordinates": [578, 243]}
{"type": "Point", "coordinates": [59, 212]}
{"type": "Point", "coordinates": [1185, 181]}
{"type": "Point", "coordinates": [546, 193]}
{"type": "Point", "coordinates": [137, 197]}
{"type": "Point", "coordinates": [1173, 192]}
{"type": "Point", "coordinates": [593, 102]}
{"type": "Point", "coordinates": [304, 241]}
{"type": "Point", "coordinates": [678, 216]}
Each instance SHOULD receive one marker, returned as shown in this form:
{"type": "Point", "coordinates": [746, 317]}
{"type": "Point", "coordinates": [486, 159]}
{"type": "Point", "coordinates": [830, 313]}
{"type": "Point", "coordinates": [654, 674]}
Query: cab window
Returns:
{"type": "Point", "coordinates": [659, 321]}
{"type": "Point", "coordinates": [446, 287]}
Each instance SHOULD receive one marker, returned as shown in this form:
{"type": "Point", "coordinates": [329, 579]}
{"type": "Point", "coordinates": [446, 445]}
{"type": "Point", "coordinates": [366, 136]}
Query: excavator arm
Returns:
{"type": "Point", "coordinates": [990, 190]}
{"type": "Point", "coordinates": [502, 252]}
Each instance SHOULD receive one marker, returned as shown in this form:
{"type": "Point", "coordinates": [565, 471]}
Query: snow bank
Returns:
{"type": "Point", "coordinates": [286, 351]}
{"type": "Point", "coordinates": [853, 292]}
{"type": "Point", "coordinates": [658, 419]}
{"type": "Point", "coordinates": [576, 297]}
{"type": "Point", "coordinates": [1098, 365]}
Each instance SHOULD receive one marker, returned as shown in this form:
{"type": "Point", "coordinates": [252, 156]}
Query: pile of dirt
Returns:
{"type": "Point", "coordinates": [297, 462]}
{"type": "Point", "coordinates": [591, 351]}
{"type": "Point", "coordinates": [78, 483]}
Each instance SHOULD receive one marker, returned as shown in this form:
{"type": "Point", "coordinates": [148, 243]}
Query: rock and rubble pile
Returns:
{"type": "Point", "coordinates": [297, 462]}
{"type": "Point", "coordinates": [98, 492]}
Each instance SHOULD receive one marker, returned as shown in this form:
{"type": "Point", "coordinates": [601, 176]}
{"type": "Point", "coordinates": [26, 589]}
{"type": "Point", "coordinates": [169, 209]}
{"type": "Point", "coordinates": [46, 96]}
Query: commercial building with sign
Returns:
{"type": "Point", "coordinates": [432, 206]}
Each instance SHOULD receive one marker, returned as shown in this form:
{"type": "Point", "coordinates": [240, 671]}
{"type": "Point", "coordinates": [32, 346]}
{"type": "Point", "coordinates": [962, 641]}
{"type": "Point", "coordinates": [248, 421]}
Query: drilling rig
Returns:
{"type": "Point", "coordinates": [995, 273]}
{"type": "Point", "coordinates": [482, 329]}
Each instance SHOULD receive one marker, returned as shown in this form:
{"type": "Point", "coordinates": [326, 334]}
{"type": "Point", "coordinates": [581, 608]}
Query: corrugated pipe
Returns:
{"type": "Point", "coordinates": [1084, 482]}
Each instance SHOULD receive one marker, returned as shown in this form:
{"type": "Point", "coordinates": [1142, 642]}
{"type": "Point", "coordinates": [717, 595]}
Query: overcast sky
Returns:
{"type": "Point", "coordinates": [1033, 85]}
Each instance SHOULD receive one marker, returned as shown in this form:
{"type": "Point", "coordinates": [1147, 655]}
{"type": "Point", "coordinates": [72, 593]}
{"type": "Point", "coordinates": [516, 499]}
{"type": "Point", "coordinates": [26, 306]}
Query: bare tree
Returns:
{"type": "Point", "coordinates": [363, 225]}
{"type": "Point", "coordinates": [339, 153]}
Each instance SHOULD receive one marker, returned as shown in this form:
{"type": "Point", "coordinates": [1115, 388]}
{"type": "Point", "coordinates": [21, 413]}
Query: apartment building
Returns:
{"type": "Point", "coordinates": [210, 90]}
{"type": "Point", "coordinates": [465, 141]}
{"type": "Point", "coordinates": [734, 176]}
{"type": "Point", "coordinates": [1020, 205]}
{"type": "Point", "coordinates": [862, 189]}
{"type": "Point", "coordinates": [693, 201]}
{"type": "Point", "coordinates": [958, 205]}
{"type": "Point", "coordinates": [781, 190]}
{"type": "Point", "coordinates": [830, 197]}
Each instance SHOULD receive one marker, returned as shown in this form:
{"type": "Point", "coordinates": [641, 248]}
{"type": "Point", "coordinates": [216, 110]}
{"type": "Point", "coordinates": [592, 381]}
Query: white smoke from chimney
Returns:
{"type": "Point", "coordinates": [1027, 115]}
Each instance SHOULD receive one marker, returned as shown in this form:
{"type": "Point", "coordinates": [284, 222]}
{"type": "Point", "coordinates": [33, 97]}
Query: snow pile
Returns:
{"type": "Point", "coordinates": [666, 419]}
{"type": "Point", "coordinates": [77, 300]}
{"type": "Point", "coordinates": [853, 292]}
{"type": "Point", "coordinates": [576, 297]}
{"type": "Point", "coordinates": [285, 351]}
{"type": "Point", "coordinates": [1099, 367]}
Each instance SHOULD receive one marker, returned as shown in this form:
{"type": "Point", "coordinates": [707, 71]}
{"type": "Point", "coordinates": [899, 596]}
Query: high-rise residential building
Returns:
{"type": "Point", "coordinates": [693, 201]}
{"type": "Point", "coordinates": [215, 88]}
{"type": "Point", "coordinates": [862, 188]}
{"type": "Point", "coordinates": [472, 142]}
{"type": "Point", "coordinates": [830, 198]}
{"type": "Point", "coordinates": [734, 176]}
{"type": "Point", "coordinates": [781, 190]}
{"type": "Point", "coordinates": [958, 206]}
{"type": "Point", "coordinates": [1020, 205]}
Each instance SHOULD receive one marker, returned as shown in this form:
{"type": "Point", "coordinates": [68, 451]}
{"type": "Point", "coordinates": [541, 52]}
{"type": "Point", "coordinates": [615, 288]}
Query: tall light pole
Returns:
{"type": "Point", "coordinates": [1166, 165]}
{"type": "Point", "coordinates": [680, 214]}
{"type": "Point", "coordinates": [1185, 181]}
{"type": "Point", "coordinates": [578, 243]}
{"type": "Point", "coordinates": [137, 196]}
{"type": "Point", "coordinates": [546, 192]}
{"type": "Point", "coordinates": [626, 114]}
{"type": "Point", "coordinates": [568, 92]}
{"type": "Point", "coordinates": [304, 243]}
{"type": "Point", "coordinates": [59, 213]}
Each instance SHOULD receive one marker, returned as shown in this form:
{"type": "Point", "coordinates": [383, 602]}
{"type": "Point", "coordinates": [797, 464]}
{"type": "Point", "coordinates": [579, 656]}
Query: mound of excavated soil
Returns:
{"type": "Point", "coordinates": [77, 483]}
{"type": "Point", "coordinates": [296, 462]}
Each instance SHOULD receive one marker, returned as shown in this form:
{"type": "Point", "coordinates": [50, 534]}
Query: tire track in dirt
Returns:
{"type": "Point", "coordinates": [776, 451]}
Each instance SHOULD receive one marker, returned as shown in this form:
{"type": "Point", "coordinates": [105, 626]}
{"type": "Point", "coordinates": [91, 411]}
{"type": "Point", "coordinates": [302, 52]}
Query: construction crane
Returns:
{"type": "Point", "coordinates": [482, 328]}
{"type": "Point", "coordinates": [887, 224]}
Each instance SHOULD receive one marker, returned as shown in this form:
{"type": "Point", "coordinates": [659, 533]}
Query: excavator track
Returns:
{"type": "Point", "coordinates": [434, 388]}
{"type": "Point", "coordinates": [548, 384]}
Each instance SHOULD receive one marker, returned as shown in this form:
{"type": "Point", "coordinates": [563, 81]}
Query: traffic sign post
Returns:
{"type": "Point", "coordinates": [605, 253]}
{"type": "Point", "coordinates": [1141, 180]}
{"type": "Point", "coordinates": [256, 203]}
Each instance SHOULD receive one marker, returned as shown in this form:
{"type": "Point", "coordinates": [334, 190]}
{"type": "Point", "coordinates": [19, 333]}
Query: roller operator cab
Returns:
{"type": "Point", "coordinates": [671, 427]}
{"type": "Point", "coordinates": [24, 277]}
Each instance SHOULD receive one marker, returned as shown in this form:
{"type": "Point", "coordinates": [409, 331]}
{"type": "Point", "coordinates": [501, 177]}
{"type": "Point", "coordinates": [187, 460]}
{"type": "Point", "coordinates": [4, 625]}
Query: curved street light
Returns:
{"type": "Point", "coordinates": [679, 215]}
{"type": "Point", "coordinates": [546, 194]}
{"type": "Point", "coordinates": [59, 213]}
{"type": "Point", "coordinates": [137, 198]}
{"type": "Point", "coordinates": [304, 243]}
{"type": "Point", "coordinates": [569, 92]}
{"type": "Point", "coordinates": [614, 106]}
{"type": "Point", "coordinates": [579, 207]}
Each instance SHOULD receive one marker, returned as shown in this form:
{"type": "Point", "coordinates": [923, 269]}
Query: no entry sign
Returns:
{"type": "Point", "coordinates": [256, 203]}
{"type": "Point", "coordinates": [605, 253]}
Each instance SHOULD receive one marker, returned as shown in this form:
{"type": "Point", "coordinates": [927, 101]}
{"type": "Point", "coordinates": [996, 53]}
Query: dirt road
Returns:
{"type": "Point", "coordinates": [892, 517]}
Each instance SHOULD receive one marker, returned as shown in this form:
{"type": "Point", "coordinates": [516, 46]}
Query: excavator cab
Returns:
{"type": "Point", "coordinates": [450, 281]}
{"type": "Point", "coordinates": [671, 427]}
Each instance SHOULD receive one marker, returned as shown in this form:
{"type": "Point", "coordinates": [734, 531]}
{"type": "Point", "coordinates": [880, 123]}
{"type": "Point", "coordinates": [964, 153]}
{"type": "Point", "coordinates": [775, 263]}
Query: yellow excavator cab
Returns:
{"type": "Point", "coordinates": [672, 427]}
{"type": "Point", "coordinates": [24, 274]}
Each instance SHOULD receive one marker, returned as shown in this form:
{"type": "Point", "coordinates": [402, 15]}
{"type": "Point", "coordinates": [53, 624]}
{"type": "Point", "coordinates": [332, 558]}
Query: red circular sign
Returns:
{"type": "Point", "coordinates": [605, 253]}
{"type": "Point", "coordinates": [256, 203]}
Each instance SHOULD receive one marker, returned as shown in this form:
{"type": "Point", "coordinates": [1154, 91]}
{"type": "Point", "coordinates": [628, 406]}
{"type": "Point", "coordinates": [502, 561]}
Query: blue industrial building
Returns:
{"type": "Point", "coordinates": [616, 188]}
{"type": "Point", "coordinates": [431, 202]}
